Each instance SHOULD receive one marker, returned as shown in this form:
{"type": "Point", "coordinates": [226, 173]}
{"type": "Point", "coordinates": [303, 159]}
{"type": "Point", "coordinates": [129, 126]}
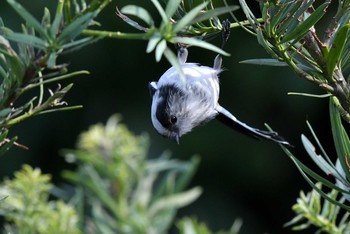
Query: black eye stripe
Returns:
{"type": "Point", "coordinates": [162, 106]}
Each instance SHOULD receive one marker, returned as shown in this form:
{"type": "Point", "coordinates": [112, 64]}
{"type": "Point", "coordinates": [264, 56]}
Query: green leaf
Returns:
{"type": "Point", "coordinates": [336, 49]}
{"type": "Point", "coordinates": [29, 19]}
{"type": "Point", "coordinates": [131, 22]}
{"type": "Point", "coordinates": [213, 12]}
{"type": "Point", "coordinates": [265, 62]}
{"type": "Point", "coordinates": [318, 159]}
{"type": "Point", "coordinates": [139, 12]}
{"type": "Point", "coordinates": [188, 18]}
{"type": "Point", "coordinates": [46, 20]}
{"type": "Point", "coordinates": [160, 49]}
{"type": "Point", "coordinates": [77, 44]}
{"type": "Point", "coordinates": [340, 137]}
{"type": "Point", "coordinates": [175, 201]}
{"type": "Point", "coordinates": [76, 27]}
{"type": "Point", "coordinates": [51, 63]}
{"type": "Point", "coordinates": [55, 27]}
{"type": "Point", "coordinates": [290, 16]}
{"type": "Point", "coordinates": [199, 43]}
{"type": "Point", "coordinates": [153, 41]}
{"type": "Point", "coordinates": [171, 7]}
{"type": "Point", "coordinates": [305, 26]}
{"type": "Point", "coordinates": [160, 11]}
{"type": "Point", "coordinates": [305, 171]}
{"type": "Point", "coordinates": [282, 13]}
{"type": "Point", "coordinates": [6, 146]}
{"type": "Point", "coordinates": [175, 63]}
{"type": "Point", "coordinates": [26, 39]}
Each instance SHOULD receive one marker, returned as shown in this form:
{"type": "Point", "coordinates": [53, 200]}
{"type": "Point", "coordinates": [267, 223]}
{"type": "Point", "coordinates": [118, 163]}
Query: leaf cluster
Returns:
{"type": "Point", "coordinates": [288, 32]}
{"type": "Point", "coordinates": [178, 26]}
{"type": "Point", "coordinates": [28, 60]}
{"type": "Point", "coordinates": [27, 208]}
{"type": "Point", "coordinates": [119, 190]}
{"type": "Point", "coordinates": [312, 210]}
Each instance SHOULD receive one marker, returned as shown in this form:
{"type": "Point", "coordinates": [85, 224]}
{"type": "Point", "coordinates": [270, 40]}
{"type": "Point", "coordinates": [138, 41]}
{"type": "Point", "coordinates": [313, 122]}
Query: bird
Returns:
{"type": "Point", "coordinates": [178, 105]}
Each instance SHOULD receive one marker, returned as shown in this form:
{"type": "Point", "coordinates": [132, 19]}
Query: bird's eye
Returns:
{"type": "Point", "coordinates": [173, 119]}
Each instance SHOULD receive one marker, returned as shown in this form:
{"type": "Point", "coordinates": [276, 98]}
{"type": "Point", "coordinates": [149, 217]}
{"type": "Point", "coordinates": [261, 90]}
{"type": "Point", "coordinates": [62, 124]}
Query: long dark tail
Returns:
{"type": "Point", "coordinates": [228, 119]}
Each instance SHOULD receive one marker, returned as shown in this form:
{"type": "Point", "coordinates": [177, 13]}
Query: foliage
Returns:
{"type": "Point", "coordinates": [120, 190]}
{"type": "Point", "coordinates": [289, 34]}
{"type": "Point", "coordinates": [181, 23]}
{"type": "Point", "coordinates": [28, 209]}
{"type": "Point", "coordinates": [320, 213]}
{"type": "Point", "coordinates": [191, 225]}
{"type": "Point", "coordinates": [31, 62]}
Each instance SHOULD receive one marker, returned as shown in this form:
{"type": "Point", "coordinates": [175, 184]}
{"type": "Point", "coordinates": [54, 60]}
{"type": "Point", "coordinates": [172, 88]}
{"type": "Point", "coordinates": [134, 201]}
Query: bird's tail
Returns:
{"type": "Point", "coordinates": [228, 119]}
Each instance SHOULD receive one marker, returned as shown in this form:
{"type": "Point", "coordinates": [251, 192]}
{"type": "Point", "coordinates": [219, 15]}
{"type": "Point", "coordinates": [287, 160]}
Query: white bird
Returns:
{"type": "Point", "coordinates": [179, 106]}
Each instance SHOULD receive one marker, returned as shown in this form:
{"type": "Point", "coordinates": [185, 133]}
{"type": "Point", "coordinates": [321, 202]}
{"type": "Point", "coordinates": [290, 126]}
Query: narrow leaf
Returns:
{"type": "Point", "coordinates": [171, 7]}
{"type": "Point", "coordinates": [304, 170]}
{"type": "Point", "coordinates": [30, 20]}
{"type": "Point", "coordinates": [160, 49]}
{"type": "Point", "coordinates": [290, 21]}
{"type": "Point", "coordinates": [160, 11]}
{"type": "Point", "coordinates": [139, 12]}
{"type": "Point", "coordinates": [153, 41]}
{"type": "Point", "coordinates": [340, 137]}
{"type": "Point", "coordinates": [6, 146]}
{"type": "Point", "coordinates": [318, 159]}
{"type": "Point", "coordinates": [175, 201]}
{"type": "Point", "coordinates": [171, 57]}
{"type": "Point", "coordinates": [213, 12]}
{"type": "Point", "coordinates": [188, 18]}
{"type": "Point", "coordinates": [305, 26]}
{"type": "Point", "coordinates": [27, 40]}
{"type": "Point", "coordinates": [57, 20]}
{"type": "Point", "coordinates": [265, 62]}
{"type": "Point", "coordinates": [336, 49]}
{"type": "Point", "coordinates": [199, 43]}
{"type": "Point", "coordinates": [56, 25]}
{"type": "Point", "coordinates": [282, 14]}
{"type": "Point", "coordinates": [76, 27]}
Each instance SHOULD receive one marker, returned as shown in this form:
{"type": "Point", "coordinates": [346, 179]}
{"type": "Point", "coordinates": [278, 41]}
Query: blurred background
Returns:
{"type": "Point", "coordinates": [241, 177]}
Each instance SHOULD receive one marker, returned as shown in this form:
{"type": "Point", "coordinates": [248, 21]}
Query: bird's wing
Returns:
{"type": "Point", "coordinates": [228, 119]}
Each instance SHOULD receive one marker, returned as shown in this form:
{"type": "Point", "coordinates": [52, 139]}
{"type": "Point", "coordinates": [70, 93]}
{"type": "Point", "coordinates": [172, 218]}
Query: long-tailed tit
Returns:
{"type": "Point", "coordinates": [179, 106]}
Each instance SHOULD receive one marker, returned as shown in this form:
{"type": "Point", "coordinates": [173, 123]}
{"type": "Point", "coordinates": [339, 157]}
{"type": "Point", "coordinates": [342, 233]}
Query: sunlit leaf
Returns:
{"type": "Point", "coordinates": [171, 57]}
{"type": "Point", "coordinates": [171, 7]}
{"type": "Point", "coordinates": [153, 41]}
{"type": "Point", "coordinates": [213, 12]}
{"type": "Point", "coordinates": [160, 49]}
{"type": "Point", "coordinates": [139, 12]}
{"type": "Point", "coordinates": [175, 201]}
{"type": "Point", "coordinates": [305, 171]}
{"type": "Point", "coordinates": [318, 159]}
{"type": "Point", "coordinates": [188, 18]}
{"type": "Point", "coordinates": [161, 11]}
{"type": "Point", "coordinates": [199, 43]}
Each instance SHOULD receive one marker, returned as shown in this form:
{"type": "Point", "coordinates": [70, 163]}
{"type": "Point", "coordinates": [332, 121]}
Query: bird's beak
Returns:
{"type": "Point", "coordinates": [176, 138]}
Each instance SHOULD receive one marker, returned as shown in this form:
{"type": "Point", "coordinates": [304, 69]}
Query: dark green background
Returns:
{"type": "Point", "coordinates": [241, 177]}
